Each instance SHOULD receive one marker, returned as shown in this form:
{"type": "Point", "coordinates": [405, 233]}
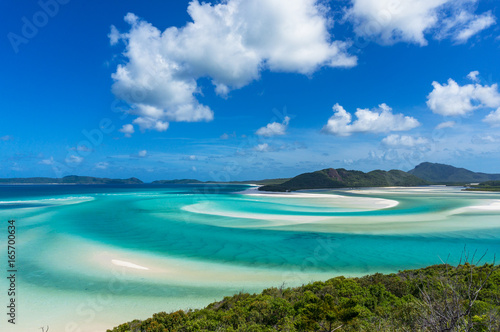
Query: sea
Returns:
{"type": "Point", "coordinates": [89, 257]}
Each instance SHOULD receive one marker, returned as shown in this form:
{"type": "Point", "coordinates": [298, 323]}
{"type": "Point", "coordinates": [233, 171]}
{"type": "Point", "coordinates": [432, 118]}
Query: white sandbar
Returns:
{"type": "Point", "coordinates": [128, 264]}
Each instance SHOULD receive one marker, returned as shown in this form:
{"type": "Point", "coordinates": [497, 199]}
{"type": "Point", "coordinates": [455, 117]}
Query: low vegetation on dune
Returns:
{"type": "Point", "coordinates": [436, 298]}
{"type": "Point", "coordinates": [486, 186]}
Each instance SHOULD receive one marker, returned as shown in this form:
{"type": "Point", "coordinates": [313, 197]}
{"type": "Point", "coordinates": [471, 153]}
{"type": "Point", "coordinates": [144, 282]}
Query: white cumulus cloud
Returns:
{"type": "Point", "coordinates": [473, 76]}
{"type": "Point", "coordinates": [485, 139]}
{"type": "Point", "coordinates": [230, 43]}
{"type": "Point", "coordinates": [493, 118]}
{"type": "Point", "coordinates": [127, 129]}
{"type": "Point", "coordinates": [142, 153]}
{"type": "Point", "coordinates": [379, 120]}
{"type": "Point", "coordinates": [114, 35]}
{"type": "Point", "coordinates": [446, 124]}
{"type": "Point", "coordinates": [389, 21]}
{"type": "Point", "coordinates": [264, 147]}
{"type": "Point", "coordinates": [274, 128]}
{"type": "Point", "coordinates": [49, 161]}
{"type": "Point", "coordinates": [72, 159]}
{"type": "Point", "coordinates": [475, 24]}
{"type": "Point", "coordinates": [145, 123]}
{"type": "Point", "coordinates": [453, 99]}
{"type": "Point", "coordinates": [101, 165]}
{"type": "Point", "coordinates": [404, 141]}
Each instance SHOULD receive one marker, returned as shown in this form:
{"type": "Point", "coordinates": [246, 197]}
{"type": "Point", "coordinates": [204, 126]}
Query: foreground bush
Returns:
{"type": "Point", "coordinates": [436, 298]}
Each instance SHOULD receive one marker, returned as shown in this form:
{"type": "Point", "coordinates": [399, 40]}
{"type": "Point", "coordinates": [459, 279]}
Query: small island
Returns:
{"type": "Point", "coordinates": [70, 179]}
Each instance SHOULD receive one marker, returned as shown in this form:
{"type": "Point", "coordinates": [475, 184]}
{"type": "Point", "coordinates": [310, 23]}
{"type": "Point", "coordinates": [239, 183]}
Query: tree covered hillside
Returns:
{"type": "Point", "coordinates": [342, 178]}
{"type": "Point", "coordinates": [441, 173]}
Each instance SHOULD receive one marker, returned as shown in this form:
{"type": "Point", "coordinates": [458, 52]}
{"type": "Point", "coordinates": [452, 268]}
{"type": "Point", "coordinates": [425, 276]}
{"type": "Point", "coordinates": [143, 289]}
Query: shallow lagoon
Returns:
{"type": "Point", "coordinates": [91, 257]}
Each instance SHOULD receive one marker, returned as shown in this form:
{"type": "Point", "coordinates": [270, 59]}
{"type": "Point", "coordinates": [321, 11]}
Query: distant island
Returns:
{"type": "Point", "coordinates": [423, 174]}
{"type": "Point", "coordinates": [446, 174]}
{"type": "Point", "coordinates": [70, 179]}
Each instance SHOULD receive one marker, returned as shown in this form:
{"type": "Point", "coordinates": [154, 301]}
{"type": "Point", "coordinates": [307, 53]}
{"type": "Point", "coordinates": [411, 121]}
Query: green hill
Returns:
{"type": "Point", "coordinates": [70, 179]}
{"type": "Point", "coordinates": [342, 178]}
{"type": "Point", "coordinates": [446, 174]}
{"type": "Point", "coordinates": [436, 298]}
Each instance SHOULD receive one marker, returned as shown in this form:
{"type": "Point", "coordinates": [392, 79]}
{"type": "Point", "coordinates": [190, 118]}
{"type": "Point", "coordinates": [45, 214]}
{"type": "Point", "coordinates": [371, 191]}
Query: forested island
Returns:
{"type": "Point", "coordinates": [424, 174]}
{"type": "Point", "coordinates": [70, 179]}
{"type": "Point", "coordinates": [447, 174]}
{"type": "Point", "coordinates": [436, 298]}
{"type": "Point", "coordinates": [342, 178]}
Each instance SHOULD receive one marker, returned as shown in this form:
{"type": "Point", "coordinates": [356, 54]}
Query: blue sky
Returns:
{"type": "Point", "coordinates": [238, 90]}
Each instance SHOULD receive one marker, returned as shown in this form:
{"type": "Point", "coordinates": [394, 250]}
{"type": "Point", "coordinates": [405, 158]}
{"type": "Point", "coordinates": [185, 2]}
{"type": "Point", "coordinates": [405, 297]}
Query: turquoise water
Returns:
{"type": "Point", "coordinates": [90, 257]}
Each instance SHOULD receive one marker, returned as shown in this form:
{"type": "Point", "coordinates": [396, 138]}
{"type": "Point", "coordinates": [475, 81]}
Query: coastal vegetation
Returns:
{"type": "Point", "coordinates": [342, 178]}
{"type": "Point", "coordinates": [485, 186]}
{"type": "Point", "coordinates": [435, 298]}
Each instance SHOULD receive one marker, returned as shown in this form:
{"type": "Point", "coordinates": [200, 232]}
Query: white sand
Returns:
{"type": "Point", "coordinates": [493, 206]}
{"type": "Point", "coordinates": [96, 260]}
{"type": "Point", "coordinates": [488, 205]}
{"type": "Point", "coordinates": [118, 269]}
{"type": "Point", "coordinates": [128, 264]}
{"type": "Point", "coordinates": [52, 201]}
{"type": "Point", "coordinates": [336, 199]}
{"type": "Point", "coordinates": [305, 202]}
{"type": "Point", "coordinates": [206, 208]}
